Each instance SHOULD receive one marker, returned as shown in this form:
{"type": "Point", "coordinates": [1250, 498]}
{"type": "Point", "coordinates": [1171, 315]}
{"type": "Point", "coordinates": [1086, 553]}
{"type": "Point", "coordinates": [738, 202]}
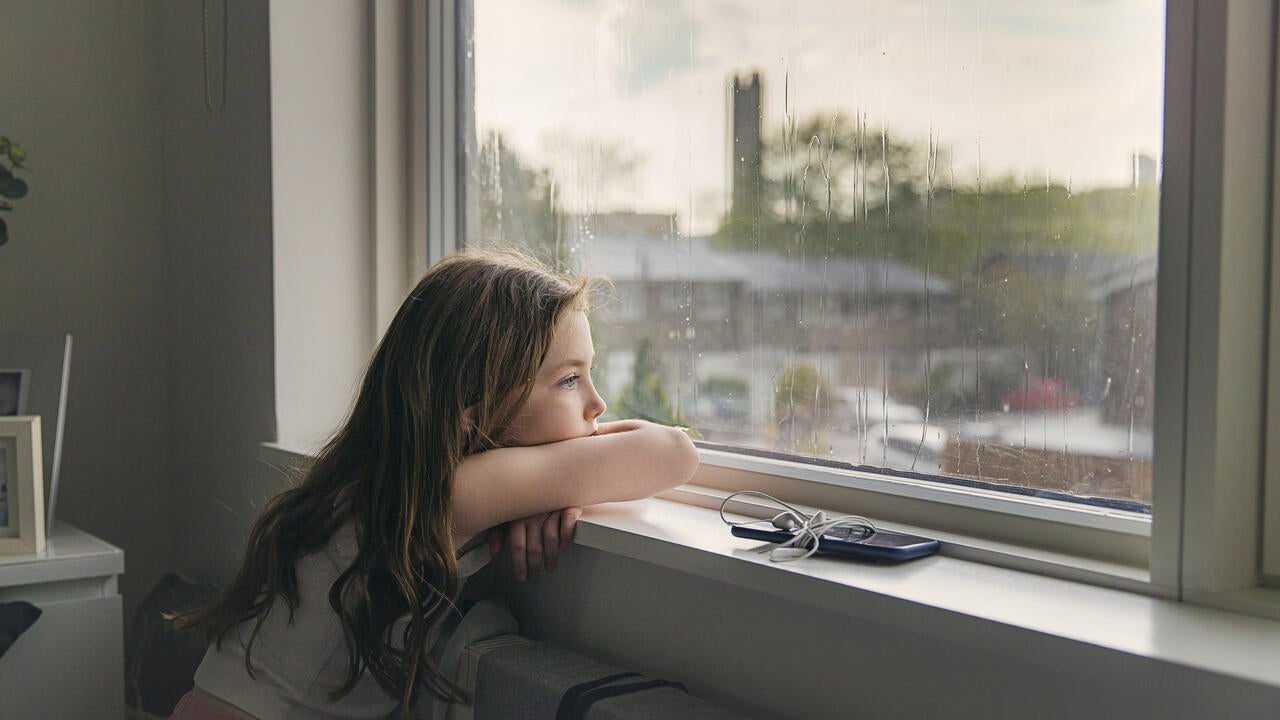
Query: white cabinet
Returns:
{"type": "Point", "coordinates": [70, 663]}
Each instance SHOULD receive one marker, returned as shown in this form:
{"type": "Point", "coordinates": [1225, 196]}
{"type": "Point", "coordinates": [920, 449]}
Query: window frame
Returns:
{"type": "Point", "coordinates": [1209, 549]}
{"type": "Point", "coordinates": [1271, 479]}
{"type": "Point", "coordinates": [1219, 68]}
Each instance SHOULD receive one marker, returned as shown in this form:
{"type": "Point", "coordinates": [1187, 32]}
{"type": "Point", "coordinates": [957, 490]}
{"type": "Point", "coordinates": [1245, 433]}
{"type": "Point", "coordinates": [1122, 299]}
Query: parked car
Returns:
{"type": "Point", "coordinates": [870, 405]}
{"type": "Point", "coordinates": [1041, 394]}
{"type": "Point", "coordinates": [869, 428]}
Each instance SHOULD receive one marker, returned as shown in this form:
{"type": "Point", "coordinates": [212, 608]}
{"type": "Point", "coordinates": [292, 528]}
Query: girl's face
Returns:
{"type": "Point", "coordinates": [564, 403]}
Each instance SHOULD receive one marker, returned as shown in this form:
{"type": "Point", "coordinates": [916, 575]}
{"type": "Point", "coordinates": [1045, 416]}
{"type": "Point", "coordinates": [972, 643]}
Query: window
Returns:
{"type": "Point", "coordinates": [946, 262]}
{"type": "Point", "coordinates": [917, 251]}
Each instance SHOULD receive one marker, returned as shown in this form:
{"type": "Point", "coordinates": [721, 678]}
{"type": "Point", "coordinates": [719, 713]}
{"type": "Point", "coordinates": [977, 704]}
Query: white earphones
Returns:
{"type": "Point", "coordinates": [808, 528]}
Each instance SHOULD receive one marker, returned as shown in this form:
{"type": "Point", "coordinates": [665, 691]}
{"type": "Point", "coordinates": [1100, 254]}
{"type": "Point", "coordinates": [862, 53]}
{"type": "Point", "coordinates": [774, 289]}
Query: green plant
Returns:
{"type": "Point", "coordinates": [646, 397]}
{"type": "Point", "coordinates": [801, 407]}
{"type": "Point", "coordinates": [11, 186]}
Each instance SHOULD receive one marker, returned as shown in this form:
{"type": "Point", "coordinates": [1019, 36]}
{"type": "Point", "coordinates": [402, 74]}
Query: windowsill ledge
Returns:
{"type": "Point", "coordinates": [693, 539]}
{"type": "Point", "coordinates": [967, 592]}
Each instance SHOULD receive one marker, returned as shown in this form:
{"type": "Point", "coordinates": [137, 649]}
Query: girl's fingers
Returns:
{"type": "Point", "coordinates": [568, 523]}
{"type": "Point", "coordinates": [533, 549]}
{"type": "Point", "coordinates": [516, 538]}
{"type": "Point", "coordinates": [551, 539]}
{"type": "Point", "coordinates": [535, 542]}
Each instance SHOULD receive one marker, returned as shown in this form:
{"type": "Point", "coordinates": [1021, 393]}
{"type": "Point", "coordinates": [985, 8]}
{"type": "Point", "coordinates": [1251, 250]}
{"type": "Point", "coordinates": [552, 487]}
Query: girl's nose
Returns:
{"type": "Point", "coordinates": [596, 407]}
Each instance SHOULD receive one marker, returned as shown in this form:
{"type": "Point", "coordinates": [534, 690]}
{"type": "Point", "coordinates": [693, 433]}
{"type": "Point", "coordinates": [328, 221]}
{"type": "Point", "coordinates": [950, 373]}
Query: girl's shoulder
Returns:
{"type": "Point", "coordinates": [326, 563]}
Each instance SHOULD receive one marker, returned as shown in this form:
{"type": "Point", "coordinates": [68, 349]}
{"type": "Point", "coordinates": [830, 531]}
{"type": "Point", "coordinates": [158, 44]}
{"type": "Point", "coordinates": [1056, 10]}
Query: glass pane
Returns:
{"type": "Point", "coordinates": [913, 236]}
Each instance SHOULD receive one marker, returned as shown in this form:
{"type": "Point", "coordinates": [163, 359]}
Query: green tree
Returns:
{"type": "Point", "coordinates": [516, 203]}
{"type": "Point", "coordinates": [645, 397]}
{"type": "Point", "coordinates": [832, 185]}
{"type": "Point", "coordinates": [802, 409]}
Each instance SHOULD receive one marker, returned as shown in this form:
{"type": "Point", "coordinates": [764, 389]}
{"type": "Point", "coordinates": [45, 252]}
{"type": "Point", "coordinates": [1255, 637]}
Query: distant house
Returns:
{"type": "Point", "coordinates": [1129, 342]}
{"type": "Point", "coordinates": [667, 288]}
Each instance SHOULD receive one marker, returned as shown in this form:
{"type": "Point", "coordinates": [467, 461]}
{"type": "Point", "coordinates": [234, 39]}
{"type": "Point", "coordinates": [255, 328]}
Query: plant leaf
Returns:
{"type": "Point", "coordinates": [15, 189]}
{"type": "Point", "coordinates": [17, 153]}
{"type": "Point", "coordinates": [4, 232]}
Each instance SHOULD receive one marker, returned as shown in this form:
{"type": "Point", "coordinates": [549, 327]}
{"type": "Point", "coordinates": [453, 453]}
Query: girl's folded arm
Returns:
{"type": "Point", "coordinates": [627, 460]}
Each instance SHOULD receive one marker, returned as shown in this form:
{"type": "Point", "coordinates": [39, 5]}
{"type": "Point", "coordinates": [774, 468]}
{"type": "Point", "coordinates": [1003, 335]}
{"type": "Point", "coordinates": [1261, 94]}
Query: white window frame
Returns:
{"type": "Point", "coordinates": [1204, 543]}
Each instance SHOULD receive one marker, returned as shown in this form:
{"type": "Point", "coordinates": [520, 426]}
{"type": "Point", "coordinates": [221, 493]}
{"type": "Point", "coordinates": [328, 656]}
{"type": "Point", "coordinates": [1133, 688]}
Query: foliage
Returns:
{"type": "Point", "coordinates": [726, 386]}
{"type": "Point", "coordinates": [517, 203]}
{"type": "Point", "coordinates": [831, 185]}
{"type": "Point", "coordinates": [645, 397]}
{"type": "Point", "coordinates": [11, 186]}
{"type": "Point", "coordinates": [953, 392]}
{"type": "Point", "coordinates": [802, 407]}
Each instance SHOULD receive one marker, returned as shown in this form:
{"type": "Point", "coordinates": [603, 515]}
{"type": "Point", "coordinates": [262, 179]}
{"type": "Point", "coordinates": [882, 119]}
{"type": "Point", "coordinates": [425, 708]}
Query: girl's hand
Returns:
{"type": "Point", "coordinates": [616, 426]}
{"type": "Point", "coordinates": [535, 541]}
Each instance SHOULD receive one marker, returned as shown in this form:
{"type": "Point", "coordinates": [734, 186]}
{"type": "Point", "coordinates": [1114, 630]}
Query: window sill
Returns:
{"type": "Point", "coordinates": [964, 595]}
{"type": "Point", "coordinates": [972, 585]}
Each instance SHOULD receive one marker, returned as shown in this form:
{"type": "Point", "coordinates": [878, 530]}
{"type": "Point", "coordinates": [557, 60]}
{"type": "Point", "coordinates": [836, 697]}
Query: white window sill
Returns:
{"type": "Point", "coordinates": [964, 595]}
{"type": "Point", "coordinates": [959, 589]}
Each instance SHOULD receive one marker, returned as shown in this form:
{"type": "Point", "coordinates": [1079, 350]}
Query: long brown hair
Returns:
{"type": "Point", "coordinates": [472, 334]}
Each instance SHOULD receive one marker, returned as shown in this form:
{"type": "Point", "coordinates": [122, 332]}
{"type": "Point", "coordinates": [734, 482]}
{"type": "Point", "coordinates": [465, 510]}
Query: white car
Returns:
{"type": "Point", "coordinates": [869, 428]}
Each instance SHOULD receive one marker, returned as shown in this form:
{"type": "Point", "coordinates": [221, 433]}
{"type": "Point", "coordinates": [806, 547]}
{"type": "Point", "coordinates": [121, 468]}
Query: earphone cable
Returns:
{"type": "Point", "coordinates": [804, 542]}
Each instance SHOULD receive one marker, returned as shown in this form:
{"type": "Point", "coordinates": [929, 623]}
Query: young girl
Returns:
{"type": "Point", "coordinates": [477, 409]}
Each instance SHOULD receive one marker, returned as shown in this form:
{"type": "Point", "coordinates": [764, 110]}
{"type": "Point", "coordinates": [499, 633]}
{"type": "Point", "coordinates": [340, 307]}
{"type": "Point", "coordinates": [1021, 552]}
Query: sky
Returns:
{"type": "Point", "coordinates": [1063, 92]}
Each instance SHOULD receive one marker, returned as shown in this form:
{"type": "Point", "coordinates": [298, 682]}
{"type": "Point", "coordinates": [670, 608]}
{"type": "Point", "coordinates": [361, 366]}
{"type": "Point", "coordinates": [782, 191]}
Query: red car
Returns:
{"type": "Point", "coordinates": [1041, 394]}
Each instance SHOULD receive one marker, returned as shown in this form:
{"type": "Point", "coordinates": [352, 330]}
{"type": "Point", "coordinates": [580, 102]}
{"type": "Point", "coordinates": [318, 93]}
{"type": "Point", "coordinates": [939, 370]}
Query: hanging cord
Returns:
{"type": "Point", "coordinates": [809, 528]}
{"type": "Point", "coordinates": [208, 91]}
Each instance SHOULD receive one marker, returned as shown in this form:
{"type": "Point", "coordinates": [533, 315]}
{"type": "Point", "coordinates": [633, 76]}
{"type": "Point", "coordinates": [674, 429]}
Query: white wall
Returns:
{"type": "Point", "coordinates": [87, 254]}
{"type": "Point", "coordinates": [320, 143]}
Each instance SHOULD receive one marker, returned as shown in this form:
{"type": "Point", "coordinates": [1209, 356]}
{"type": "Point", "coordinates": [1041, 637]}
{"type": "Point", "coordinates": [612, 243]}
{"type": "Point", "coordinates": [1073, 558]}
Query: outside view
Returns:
{"type": "Point", "coordinates": [912, 235]}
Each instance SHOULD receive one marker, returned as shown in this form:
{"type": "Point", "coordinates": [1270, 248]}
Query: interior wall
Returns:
{"type": "Point", "coordinates": [87, 255]}
{"type": "Point", "coordinates": [270, 277]}
{"type": "Point", "coordinates": [321, 82]}
{"type": "Point", "coordinates": [217, 196]}
{"type": "Point", "coordinates": [772, 658]}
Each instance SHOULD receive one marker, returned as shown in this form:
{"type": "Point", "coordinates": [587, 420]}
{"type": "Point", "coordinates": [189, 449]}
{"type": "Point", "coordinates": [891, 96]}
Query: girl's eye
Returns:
{"type": "Point", "coordinates": [570, 382]}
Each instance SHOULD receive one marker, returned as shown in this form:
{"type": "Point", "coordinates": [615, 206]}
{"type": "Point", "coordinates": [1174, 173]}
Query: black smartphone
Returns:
{"type": "Point", "coordinates": [878, 546]}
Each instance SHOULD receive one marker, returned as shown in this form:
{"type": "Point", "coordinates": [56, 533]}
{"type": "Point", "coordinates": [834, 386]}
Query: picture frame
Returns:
{"type": "Point", "coordinates": [22, 529]}
{"type": "Point", "coordinates": [39, 366]}
{"type": "Point", "coordinates": [15, 391]}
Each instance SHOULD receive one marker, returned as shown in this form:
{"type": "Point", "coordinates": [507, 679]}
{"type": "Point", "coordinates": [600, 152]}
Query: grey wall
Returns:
{"type": "Point", "coordinates": [217, 200]}
{"type": "Point", "coordinates": [270, 268]}
{"type": "Point", "coordinates": [88, 254]}
{"type": "Point", "coordinates": [147, 235]}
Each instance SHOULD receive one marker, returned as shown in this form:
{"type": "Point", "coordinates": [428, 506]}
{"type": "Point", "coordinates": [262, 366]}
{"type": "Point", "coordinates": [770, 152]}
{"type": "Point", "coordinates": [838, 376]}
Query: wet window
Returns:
{"type": "Point", "coordinates": [914, 236]}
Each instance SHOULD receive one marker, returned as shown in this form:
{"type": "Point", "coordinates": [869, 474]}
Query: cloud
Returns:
{"type": "Point", "coordinates": [646, 43]}
{"type": "Point", "coordinates": [1064, 90]}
